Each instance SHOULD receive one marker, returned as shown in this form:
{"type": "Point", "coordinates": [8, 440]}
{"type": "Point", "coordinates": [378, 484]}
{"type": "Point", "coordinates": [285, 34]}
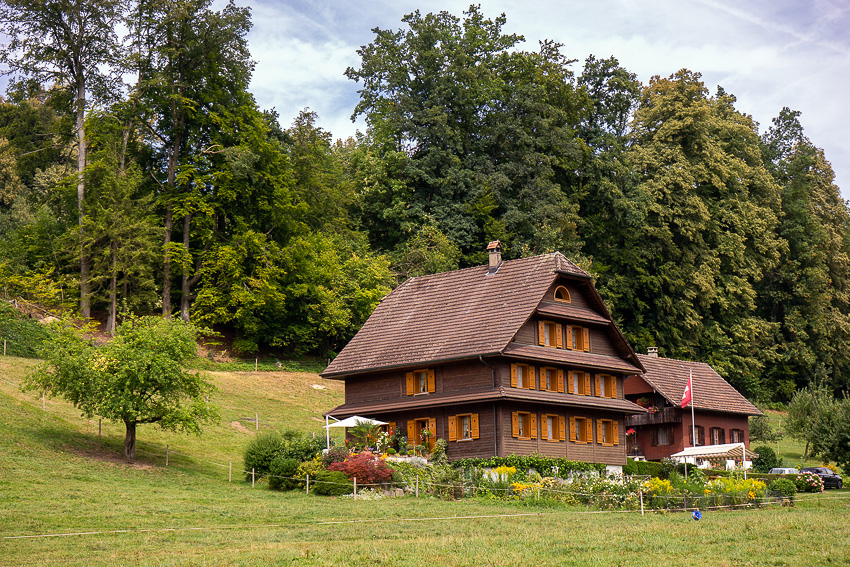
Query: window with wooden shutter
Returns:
{"type": "Point", "coordinates": [524, 425]}
{"type": "Point", "coordinates": [585, 340]}
{"type": "Point", "coordinates": [570, 338]}
{"type": "Point", "coordinates": [559, 336]}
{"type": "Point", "coordinates": [452, 428]}
{"type": "Point", "coordinates": [420, 382]}
{"type": "Point", "coordinates": [598, 384]}
{"type": "Point", "coordinates": [581, 430]}
{"type": "Point", "coordinates": [700, 436]}
{"type": "Point", "coordinates": [475, 426]}
{"type": "Point", "coordinates": [560, 378]}
{"type": "Point", "coordinates": [522, 376]}
{"type": "Point", "coordinates": [562, 434]}
{"type": "Point", "coordinates": [432, 428]}
{"type": "Point", "coordinates": [411, 433]}
{"type": "Point", "coordinates": [551, 379]}
{"type": "Point", "coordinates": [607, 433]}
{"type": "Point", "coordinates": [542, 333]}
{"type": "Point", "coordinates": [572, 382]}
{"type": "Point", "coordinates": [514, 381]}
{"type": "Point", "coordinates": [586, 391]}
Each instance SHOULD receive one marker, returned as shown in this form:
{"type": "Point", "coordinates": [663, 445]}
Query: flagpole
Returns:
{"type": "Point", "coordinates": [693, 423]}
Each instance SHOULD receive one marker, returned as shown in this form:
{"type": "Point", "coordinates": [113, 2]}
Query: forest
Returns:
{"type": "Point", "coordinates": [138, 176]}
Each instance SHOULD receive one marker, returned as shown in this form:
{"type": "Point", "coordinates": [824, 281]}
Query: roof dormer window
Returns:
{"type": "Point", "coordinates": [562, 294]}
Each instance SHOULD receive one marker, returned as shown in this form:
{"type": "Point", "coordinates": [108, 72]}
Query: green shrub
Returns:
{"type": "Point", "coordinates": [331, 483]}
{"type": "Point", "coordinates": [634, 467]}
{"type": "Point", "coordinates": [282, 473]}
{"type": "Point", "coordinates": [23, 336]}
{"type": "Point", "coordinates": [545, 466]}
{"type": "Point", "coordinates": [767, 459]}
{"type": "Point", "coordinates": [438, 455]}
{"type": "Point", "coordinates": [300, 446]}
{"type": "Point", "coordinates": [784, 485]}
{"type": "Point", "coordinates": [260, 453]}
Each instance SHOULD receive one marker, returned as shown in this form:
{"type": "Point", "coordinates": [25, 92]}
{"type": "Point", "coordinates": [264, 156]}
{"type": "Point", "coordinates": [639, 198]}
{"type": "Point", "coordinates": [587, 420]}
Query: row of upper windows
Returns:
{"type": "Point", "coordinates": [551, 334]}
{"type": "Point", "coordinates": [552, 380]}
{"type": "Point", "coordinates": [553, 428]}
{"type": "Point", "coordinates": [716, 436]}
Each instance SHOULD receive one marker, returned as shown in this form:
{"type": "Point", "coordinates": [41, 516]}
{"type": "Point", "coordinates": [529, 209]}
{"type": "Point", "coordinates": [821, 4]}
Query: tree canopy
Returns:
{"type": "Point", "coordinates": [137, 378]}
{"type": "Point", "coordinates": [706, 236]}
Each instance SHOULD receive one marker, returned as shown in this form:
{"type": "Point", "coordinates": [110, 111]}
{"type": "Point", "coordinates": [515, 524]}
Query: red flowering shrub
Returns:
{"type": "Point", "coordinates": [367, 467]}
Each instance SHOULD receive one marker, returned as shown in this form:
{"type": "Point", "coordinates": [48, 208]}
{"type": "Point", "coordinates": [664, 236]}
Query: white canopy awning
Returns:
{"type": "Point", "coordinates": [355, 420]}
{"type": "Point", "coordinates": [729, 451]}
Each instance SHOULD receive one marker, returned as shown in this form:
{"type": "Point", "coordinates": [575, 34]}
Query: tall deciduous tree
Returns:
{"type": "Point", "coordinates": [477, 133]}
{"type": "Point", "coordinates": [193, 70]}
{"type": "Point", "coordinates": [67, 43]}
{"type": "Point", "coordinates": [709, 233]}
{"type": "Point", "coordinates": [808, 293]}
{"type": "Point", "coordinates": [137, 378]}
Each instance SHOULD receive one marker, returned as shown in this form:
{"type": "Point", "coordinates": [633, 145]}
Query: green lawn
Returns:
{"type": "Point", "coordinates": [57, 477]}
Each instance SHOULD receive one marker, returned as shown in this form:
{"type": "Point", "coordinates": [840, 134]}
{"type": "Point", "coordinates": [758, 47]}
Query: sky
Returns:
{"type": "Point", "coordinates": [768, 53]}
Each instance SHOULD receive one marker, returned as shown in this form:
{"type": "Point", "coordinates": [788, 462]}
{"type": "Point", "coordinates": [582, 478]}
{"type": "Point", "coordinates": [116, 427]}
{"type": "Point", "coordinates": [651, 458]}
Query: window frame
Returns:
{"type": "Point", "coordinates": [525, 420]}
{"type": "Point", "coordinates": [700, 435]}
{"type": "Point", "coordinates": [581, 430]}
{"type": "Point", "coordinates": [577, 338]}
{"type": "Point", "coordinates": [414, 430]}
{"type": "Point", "coordinates": [557, 381]}
{"type": "Point", "coordinates": [413, 382]}
{"type": "Point", "coordinates": [550, 334]}
{"type": "Point", "coordinates": [655, 438]}
{"type": "Point", "coordinates": [558, 429]}
{"type": "Point", "coordinates": [456, 425]}
{"type": "Point", "coordinates": [583, 382]}
{"type": "Point", "coordinates": [736, 433]}
{"type": "Point", "coordinates": [515, 376]}
{"type": "Point", "coordinates": [561, 299]}
{"type": "Point", "coordinates": [607, 432]}
{"type": "Point", "coordinates": [720, 435]}
{"type": "Point", "coordinates": [606, 386]}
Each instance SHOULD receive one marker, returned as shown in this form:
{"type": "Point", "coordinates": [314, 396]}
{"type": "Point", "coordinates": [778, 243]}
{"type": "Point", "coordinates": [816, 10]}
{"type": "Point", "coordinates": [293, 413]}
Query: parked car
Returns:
{"type": "Point", "coordinates": [830, 479]}
{"type": "Point", "coordinates": [784, 470]}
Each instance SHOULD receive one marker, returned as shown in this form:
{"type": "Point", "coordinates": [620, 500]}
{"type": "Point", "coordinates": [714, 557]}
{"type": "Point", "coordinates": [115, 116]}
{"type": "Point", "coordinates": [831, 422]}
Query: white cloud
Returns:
{"type": "Point", "coordinates": [769, 53]}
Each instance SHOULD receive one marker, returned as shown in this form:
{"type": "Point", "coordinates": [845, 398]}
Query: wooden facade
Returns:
{"type": "Point", "coordinates": [521, 358]}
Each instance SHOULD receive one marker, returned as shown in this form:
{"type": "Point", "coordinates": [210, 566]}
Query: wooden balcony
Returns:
{"type": "Point", "coordinates": [666, 415]}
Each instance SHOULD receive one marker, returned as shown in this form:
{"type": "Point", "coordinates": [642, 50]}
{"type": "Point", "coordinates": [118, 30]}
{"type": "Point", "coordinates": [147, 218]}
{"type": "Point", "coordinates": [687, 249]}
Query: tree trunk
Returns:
{"type": "Point", "coordinates": [130, 441]}
{"type": "Point", "coordinates": [184, 282]}
{"type": "Point", "coordinates": [166, 262]}
{"type": "Point", "coordinates": [113, 292]}
{"type": "Point", "coordinates": [85, 268]}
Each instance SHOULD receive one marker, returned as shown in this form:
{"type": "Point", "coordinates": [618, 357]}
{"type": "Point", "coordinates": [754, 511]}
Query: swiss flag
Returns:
{"type": "Point", "coordinates": [686, 396]}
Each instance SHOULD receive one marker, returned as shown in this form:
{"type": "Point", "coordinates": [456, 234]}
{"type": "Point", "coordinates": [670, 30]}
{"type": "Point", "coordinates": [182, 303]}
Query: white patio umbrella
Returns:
{"type": "Point", "coordinates": [352, 421]}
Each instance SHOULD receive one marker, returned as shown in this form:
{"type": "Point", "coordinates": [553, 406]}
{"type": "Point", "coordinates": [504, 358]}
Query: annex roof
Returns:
{"type": "Point", "coordinates": [710, 391]}
{"type": "Point", "coordinates": [728, 451]}
{"type": "Point", "coordinates": [453, 315]}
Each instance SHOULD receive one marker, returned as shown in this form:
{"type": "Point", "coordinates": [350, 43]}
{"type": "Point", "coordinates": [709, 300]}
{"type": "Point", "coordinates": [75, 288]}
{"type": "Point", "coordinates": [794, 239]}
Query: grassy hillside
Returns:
{"type": "Point", "coordinates": [57, 477]}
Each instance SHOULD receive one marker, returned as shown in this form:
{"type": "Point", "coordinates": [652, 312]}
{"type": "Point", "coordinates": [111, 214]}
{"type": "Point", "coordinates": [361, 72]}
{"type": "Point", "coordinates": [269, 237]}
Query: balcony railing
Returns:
{"type": "Point", "coordinates": [665, 415]}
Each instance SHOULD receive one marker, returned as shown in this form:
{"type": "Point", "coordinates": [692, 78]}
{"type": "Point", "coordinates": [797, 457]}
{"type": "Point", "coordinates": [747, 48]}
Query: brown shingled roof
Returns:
{"type": "Point", "coordinates": [710, 391]}
{"type": "Point", "coordinates": [453, 399]}
{"type": "Point", "coordinates": [453, 315]}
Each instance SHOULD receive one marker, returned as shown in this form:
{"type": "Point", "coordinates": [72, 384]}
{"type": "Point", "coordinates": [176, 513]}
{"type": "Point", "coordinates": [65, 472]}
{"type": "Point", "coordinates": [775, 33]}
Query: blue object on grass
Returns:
{"type": "Point", "coordinates": [696, 515]}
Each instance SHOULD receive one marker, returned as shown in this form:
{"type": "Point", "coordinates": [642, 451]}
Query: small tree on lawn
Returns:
{"type": "Point", "coordinates": [136, 378]}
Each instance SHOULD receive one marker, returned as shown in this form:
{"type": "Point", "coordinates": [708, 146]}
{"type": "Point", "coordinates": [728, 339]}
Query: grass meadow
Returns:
{"type": "Point", "coordinates": [67, 498]}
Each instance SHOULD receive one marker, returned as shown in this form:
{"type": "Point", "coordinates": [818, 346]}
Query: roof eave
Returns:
{"type": "Point", "coordinates": [343, 374]}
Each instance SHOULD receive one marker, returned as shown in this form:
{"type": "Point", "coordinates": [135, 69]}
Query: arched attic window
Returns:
{"type": "Point", "coordinates": [562, 294]}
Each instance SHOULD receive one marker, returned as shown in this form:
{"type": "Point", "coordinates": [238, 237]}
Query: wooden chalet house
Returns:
{"type": "Point", "coordinates": [515, 357]}
{"type": "Point", "coordinates": [721, 413]}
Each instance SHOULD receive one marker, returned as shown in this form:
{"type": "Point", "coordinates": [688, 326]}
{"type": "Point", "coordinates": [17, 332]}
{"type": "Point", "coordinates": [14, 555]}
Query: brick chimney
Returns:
{"type": "Point", "coordinates": [495, 251]}
{"type": "Point", "coordinates": [652, 351]}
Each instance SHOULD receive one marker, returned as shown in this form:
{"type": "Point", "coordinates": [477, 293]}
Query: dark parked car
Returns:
{"type": "Point", "coordinates": [830, 479]}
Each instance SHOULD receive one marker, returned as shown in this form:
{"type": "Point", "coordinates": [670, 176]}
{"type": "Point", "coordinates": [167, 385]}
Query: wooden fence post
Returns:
{"type": "Point", "coordinates": [355, 488]}
{"type": "Point", "coordinates": [166, 455]}
{"type": "Point", "coordinates": [641, 502]}
{"type": "Point", "coordinates": [230, 472]}
{"type": "Point", "coordinates": [417, 486]}
{"type": "Point", "coordinates": [252, 478]}
{"type": "Point", "coordinates": [308, 485]}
